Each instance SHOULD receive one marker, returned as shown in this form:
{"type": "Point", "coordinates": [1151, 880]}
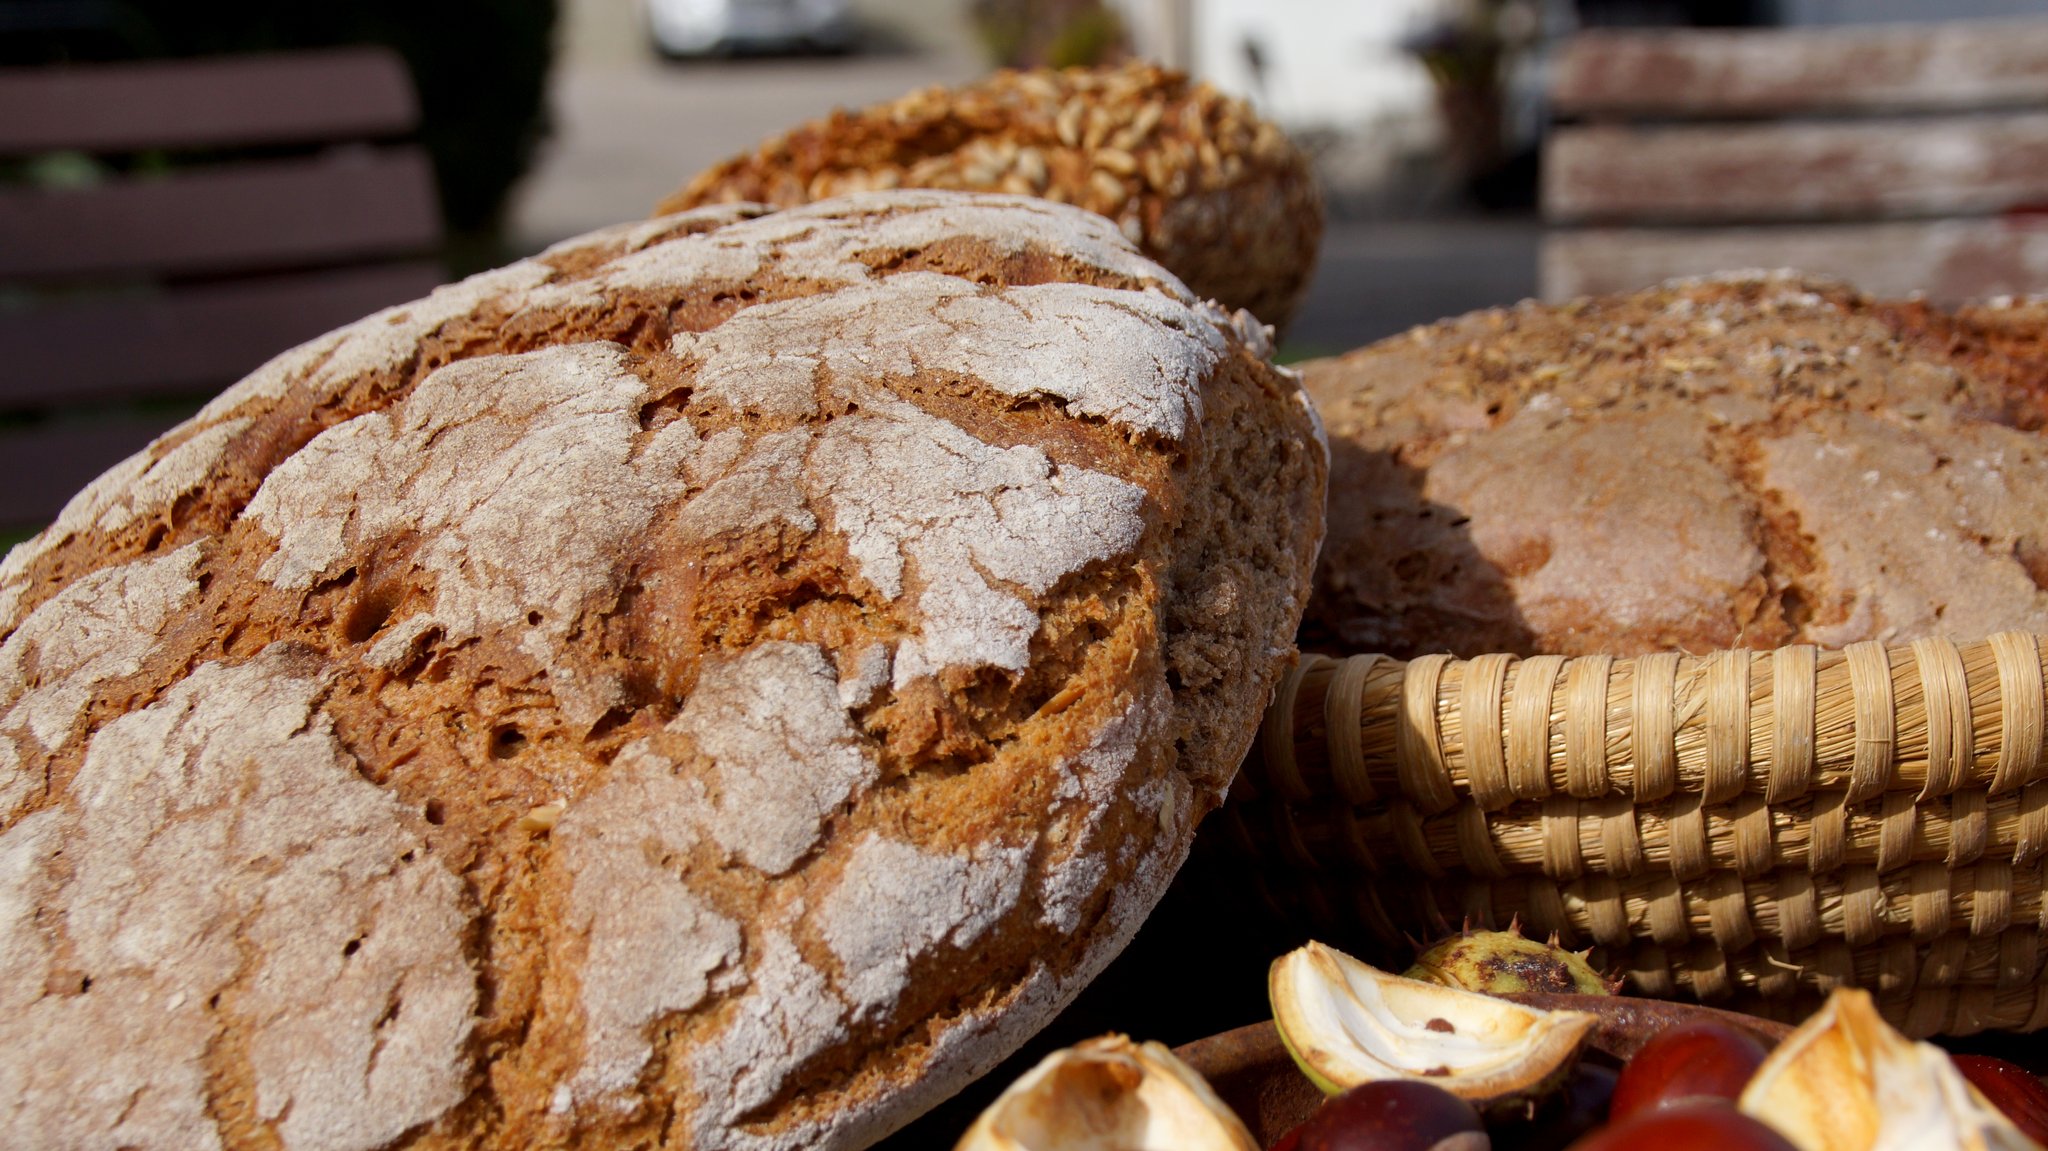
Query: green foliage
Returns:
{"type": "Point", "coordinates": [1053, 33]}
{"type": "Point", "coordinates": [480, 67]}
{"type": "Point", "coordinates": [9, 537]}
{"type": "Point", "coordinates": [1089, 37]}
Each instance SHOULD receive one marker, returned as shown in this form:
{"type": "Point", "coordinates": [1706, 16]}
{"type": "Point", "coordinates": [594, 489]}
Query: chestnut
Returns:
{"type": "Point", "coordinates": [1574, 1109]}
{"type": "Point", "coordinates": [1693, 1060]}
{"type": "Point", "coordinates": [1291, 1141]}
{"type": "Point", "coordinates": [2012, 1089]}
{"type": "Point", "coordinates": [1394, 1115]}
{"type": "Point", "coordinates": [1701, 1125]}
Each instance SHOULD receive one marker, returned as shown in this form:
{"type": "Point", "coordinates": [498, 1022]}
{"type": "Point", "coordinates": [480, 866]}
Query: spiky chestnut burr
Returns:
{"type": "Point", "coordinates": [1507, 962]}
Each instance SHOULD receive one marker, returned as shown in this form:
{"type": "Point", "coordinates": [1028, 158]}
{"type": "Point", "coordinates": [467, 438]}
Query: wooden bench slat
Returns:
{"type": "Point", "coordinates": [1950, 260]}
{"type": "Point", "coordinates": [43, 466]}
{"type": "Point", "coordinates": [311, 97]}
{"type": "Point", "coordinates": [198, 338]}
{"type": "Point", "coordinates": [180, 325]}
{"type": "Point", "coordinates": [1703, 73]}
{"type": "Point", "coordinates": [354, 204]}
{"type": "Point", "coordinates": [1798, 170]}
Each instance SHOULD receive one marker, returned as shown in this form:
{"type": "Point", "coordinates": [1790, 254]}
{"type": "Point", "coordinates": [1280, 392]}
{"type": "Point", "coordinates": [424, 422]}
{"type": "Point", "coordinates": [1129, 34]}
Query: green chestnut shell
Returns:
{"type": "Point", "coordinates": [1506, 963]}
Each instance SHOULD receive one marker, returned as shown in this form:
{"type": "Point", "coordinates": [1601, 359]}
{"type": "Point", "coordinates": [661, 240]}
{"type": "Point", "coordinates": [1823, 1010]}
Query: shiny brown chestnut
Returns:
{"type": "Point", "coordinates": [1693, 1060]}
{"type": "Point", "coordinates": [1701, 1125]}
{"type": "Point", "coordinates": [2012, 1089]}
{"type": "Point", "coordinates": [1291, 1141]}
{"type": "Point", "coordinates": [1395, 1115]}
{"type": "Point", "coordinates": [1569, 1113]}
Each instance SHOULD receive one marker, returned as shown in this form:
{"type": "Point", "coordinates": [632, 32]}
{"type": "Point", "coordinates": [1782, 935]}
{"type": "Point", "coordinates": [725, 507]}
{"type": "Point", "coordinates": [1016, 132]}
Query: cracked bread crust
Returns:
{"type": "Point", "coordinates": [1743, 461]}
{"type": "Point", "coordinates": [1194, 177]}
{"type": "Point", "coordinates": [722, 683]}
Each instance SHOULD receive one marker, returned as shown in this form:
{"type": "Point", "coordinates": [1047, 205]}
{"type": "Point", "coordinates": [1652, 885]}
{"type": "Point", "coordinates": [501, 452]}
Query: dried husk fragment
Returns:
{"type": "Point", "coordinates": [1346, 1023]}
{"type": "Point", "coordinates": [1109, 1094]}
{"type": "Point", "coordinates": [1846, 1081]}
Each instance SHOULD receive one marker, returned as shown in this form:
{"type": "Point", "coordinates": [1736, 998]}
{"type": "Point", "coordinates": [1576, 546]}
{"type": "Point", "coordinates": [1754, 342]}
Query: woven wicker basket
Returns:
{"type": "Point", "coordinates": [1746, 827]}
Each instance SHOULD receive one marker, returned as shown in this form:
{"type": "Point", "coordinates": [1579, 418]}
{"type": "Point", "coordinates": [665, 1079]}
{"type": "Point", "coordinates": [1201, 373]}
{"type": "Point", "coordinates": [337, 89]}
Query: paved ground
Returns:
{"type": "Point", "coordinates": [1378, 277]}
{"type": "Point", "coordinates": [624, 137]}
{"type": "Point", "coordinates": [629, 129]}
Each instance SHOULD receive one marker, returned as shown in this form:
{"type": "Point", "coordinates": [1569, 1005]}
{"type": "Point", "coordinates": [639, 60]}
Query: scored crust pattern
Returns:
{"type": "Point", "coordinates": [1750, 460]}
{"type": "Point", "coordinates": [721, 683]}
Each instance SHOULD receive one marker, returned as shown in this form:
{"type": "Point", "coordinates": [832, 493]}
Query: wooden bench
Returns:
{"type": "Point", "coordinates": [275, 200]}
{"type": "Point", "coordinates": [1900, 157]}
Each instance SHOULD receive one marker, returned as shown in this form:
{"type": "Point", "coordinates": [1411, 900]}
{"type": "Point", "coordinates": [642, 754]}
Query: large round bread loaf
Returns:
{"type": "Point", "coordinates": [1752, 460]}
{"type": "Point", "coordinates": [1194, 177]}
{"type": "Point", "coordinates": [719, 684]}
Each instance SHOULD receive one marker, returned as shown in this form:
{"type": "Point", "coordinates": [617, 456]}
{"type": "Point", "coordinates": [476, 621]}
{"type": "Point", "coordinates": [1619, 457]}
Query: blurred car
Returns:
{"type": "Point", "coordinates": [704, 27]}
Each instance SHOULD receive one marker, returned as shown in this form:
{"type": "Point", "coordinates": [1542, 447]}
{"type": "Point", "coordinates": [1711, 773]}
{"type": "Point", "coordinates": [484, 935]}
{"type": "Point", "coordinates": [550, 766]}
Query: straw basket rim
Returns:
{"type": "Point", "coordinates": [1754, 827]}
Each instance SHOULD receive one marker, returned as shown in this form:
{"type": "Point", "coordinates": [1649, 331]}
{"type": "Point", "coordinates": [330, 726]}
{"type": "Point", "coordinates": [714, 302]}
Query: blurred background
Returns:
{"type": "Point", "coordinates": [545, 118]}
{"type": "Point", "coordinates": [187, 188]}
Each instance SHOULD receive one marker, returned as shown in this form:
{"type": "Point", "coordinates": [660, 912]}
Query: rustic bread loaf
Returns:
{"type": "Point", "coordinates": [719, 684]}
{"type": "Point", "coordinates": [1751, 460]}
{"type": "Point", "coordinates": [1192, 176]}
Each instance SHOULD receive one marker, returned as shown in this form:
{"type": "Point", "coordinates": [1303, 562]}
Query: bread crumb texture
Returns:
{"type": "Point", "coordinates": [1749, 460]}
{"type": "Point", "coordinates": [722, 683]}
{"type": "Point", "coordinates": [1196, 178]}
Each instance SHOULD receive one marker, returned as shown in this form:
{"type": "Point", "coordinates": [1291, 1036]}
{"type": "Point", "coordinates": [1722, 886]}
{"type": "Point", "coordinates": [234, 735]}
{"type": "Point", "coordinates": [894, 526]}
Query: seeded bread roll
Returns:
{"type": "Point", "coordinates": [722, 683]}
{"type": "Point", "coordinates": [1192, 176]}
{"type": "Point", "coordinates": [1752, 460]}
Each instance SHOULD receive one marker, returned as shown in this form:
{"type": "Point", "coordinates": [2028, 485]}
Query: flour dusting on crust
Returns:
{"type": "Point", "coordinates": [792, 1011]}
{"type": "Point", "coordinates": [98, 629]}
{"type": "Point", "coordinates": [223, 826]}
{"type": "Point", "coordinates": [78, 515]}
{"type": "Point", "coordinates": [824, 244]}
{"type": "Point", "coordinates": [376, 344]}
{"type": "Point", "coordinates": [712, 684]}
{"type": "Point", "coordinates": [788, 1016]}
{"type": "Point", "coordinates": [897, 901]}
{"type": "Point", "coordinates": [1089, 784]}
{"type": "Point", "coordinates": [914, 493]}
{"type": "Point", "coordinates": [1134, 359]}
{"type": "Point", "coordinates": [180, 470]}
{"type": "Point", "coordinates": [786, 755]}
{"type": "Point", "coordinates": [652, 942]}
{"type": "Point", "coordinates": [491, 461]}
{"type": "Point", "coordinates": [15, 784]}
{"type": "Point", "coordinates": [761, 489]}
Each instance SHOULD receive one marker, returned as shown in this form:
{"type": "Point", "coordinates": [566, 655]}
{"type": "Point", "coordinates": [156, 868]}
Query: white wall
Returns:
{"type": "Point", "coordinates": [1327, 62]}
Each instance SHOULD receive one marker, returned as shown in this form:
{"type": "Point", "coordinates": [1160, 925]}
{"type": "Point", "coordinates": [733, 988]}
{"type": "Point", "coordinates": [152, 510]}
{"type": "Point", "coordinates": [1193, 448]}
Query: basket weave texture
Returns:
{"type": "Point", "coordinates": [1747, 827]}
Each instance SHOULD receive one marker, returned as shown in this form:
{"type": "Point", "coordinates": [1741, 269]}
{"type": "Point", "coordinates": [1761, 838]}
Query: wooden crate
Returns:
{"type": "Point", "coordinates": [1901, 157]}
{"type": "Point", "coordinates": [294, 205]}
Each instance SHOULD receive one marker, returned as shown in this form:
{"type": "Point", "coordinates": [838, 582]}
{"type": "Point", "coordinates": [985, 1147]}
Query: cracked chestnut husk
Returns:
{"type": "Point", "coordinates": [1846, 1081]}
{"type": "Point", "coordinates": [1347, 1023]}
{"type": "Point", "coordinates": [1109, 1094]}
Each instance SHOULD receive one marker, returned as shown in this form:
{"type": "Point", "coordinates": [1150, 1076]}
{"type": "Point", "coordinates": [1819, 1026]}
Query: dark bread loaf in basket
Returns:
{"type": "Point", "coordinates": [1754, 460]}
{"type": "Point", "coordinates": [1743, 581]}
{"type": "Point", "coordinates": [723, 682]}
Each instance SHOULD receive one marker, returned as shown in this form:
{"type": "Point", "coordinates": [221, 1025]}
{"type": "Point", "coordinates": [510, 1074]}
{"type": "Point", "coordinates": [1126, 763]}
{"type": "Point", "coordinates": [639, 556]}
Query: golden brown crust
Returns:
{"type": "Point", "coordinates": [712, 685]}
{"type": "Point", "coordinates": [2005, 342]}
{"type": "Point", "coordinates": [1749, 460]}
{"type": "Point", "coordinates": [1195, 178]}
